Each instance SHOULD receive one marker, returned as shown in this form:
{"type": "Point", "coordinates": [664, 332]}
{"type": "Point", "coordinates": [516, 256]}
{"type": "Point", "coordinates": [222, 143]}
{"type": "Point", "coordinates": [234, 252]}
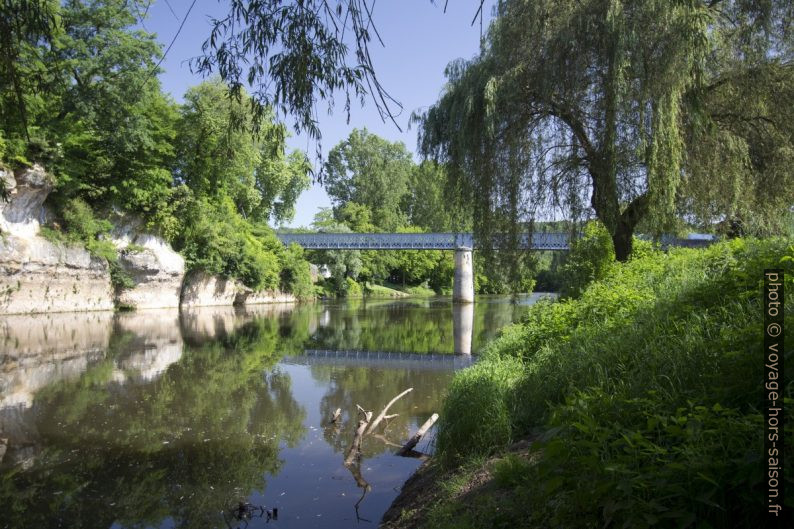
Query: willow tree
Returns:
{"type": "Point", "coordinates": [590, 106]}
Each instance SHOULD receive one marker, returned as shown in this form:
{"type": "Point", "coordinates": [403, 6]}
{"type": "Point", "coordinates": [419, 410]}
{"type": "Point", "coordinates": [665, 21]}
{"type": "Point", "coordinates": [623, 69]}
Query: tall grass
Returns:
{"type": "Point", "coordinates": [646, 392]}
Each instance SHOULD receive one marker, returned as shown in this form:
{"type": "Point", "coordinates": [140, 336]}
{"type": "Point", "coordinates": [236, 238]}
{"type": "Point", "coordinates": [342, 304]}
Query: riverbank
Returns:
{"type": "Point", "coordinates": [42, 270]}
{"type": "Point", "coordinates": [638, 404]}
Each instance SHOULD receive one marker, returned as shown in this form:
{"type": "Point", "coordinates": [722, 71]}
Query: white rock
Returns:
{"type": "Point", "coordinates": [37, 275]}
{"type": "Point", "coordinates": [156, 269]}
{"type": "Point", "coordinates": [205, 290]}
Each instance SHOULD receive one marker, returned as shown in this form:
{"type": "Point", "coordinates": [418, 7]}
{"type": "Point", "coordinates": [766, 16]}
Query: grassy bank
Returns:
{"type": "Point", "coordinates": [642, 401]}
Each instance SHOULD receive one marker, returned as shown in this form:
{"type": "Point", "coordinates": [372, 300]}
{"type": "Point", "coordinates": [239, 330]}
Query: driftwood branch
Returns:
{"type": "Point", "coordinates": [382, 415]}
{"type": "Point", "coordinates": [418, 435]}
{"type": "Point", "coordinates": [355, 447]}
{"type": "Point", "coordinates": [335, 416]}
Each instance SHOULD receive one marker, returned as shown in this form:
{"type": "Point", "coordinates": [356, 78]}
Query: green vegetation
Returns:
{"type": "Point", "coordinates": [375, 186]}
{"type": "Point", "coordinates": [80, 95]}
{"type": "Point", "coordinates": [641, 398]}
{"type": "Point", "coordinates": [641, 112]}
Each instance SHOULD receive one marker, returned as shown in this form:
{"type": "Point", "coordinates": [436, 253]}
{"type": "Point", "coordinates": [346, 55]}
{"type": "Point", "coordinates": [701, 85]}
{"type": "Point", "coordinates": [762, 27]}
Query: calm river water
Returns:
{"type": "Point", "coordinates": [161, 419]}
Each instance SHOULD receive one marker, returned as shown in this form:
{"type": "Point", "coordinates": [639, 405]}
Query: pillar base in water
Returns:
{"type": "Point", "coordinates": [463, 285]}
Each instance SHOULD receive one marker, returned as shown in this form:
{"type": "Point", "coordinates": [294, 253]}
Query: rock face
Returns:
{"type": "Point", "coordinates": [155, 268]}
{"type": "Point", "coordinates": [204, 290]}
{"type": "Point", "coordinates": [265, 296]}
{"type": "Point", "coordinates": [29, 188]}
{"type": "Point", "coordinates": [37, 275]}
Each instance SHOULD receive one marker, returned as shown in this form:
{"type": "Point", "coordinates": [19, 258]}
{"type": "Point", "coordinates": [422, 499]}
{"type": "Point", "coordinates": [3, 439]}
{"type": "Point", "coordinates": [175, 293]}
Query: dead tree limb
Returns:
{"type": "Point", "coordinates": [382, 415]}
{"type": "Point", "coordinates": [355, 447]}
{"type": "Point", "coordinates": [336, 415]}
{"type": "Point", "coordinates": [418, 435]}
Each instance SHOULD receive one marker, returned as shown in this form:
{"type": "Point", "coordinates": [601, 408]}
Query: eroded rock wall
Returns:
{"type": "Point", "coordinates": [205, 290]}
{"type": "Point", "coordinates": [37, 275]}
{"type": "Point", "coordinates": [154, 267]}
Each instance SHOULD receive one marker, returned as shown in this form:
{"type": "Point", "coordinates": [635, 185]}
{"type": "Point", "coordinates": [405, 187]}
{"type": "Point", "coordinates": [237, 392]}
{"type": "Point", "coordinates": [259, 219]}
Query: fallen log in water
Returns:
{"type": "Point", "coordinates": [382, 415]}
{"type": "Point", "coordinates": [408, 447]}
{"type": "Point", "coordinates": [355, 447]}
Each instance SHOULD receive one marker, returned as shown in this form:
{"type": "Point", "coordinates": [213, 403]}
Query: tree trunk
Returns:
{"type": "Point", "coordinates": [622, 240]}
{"type": "Point", "coordinates": [622, 237]}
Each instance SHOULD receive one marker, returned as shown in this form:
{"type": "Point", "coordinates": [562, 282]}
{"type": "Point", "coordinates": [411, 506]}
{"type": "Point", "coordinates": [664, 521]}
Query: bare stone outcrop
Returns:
{"type": "Point", "coordinates": [37, 275]}
{"type": "Point", "coordinates": [155, 268]}
{"type": "Point", "coordinates": [205, 290]}
{"type": "Point", "coordinates": [265, 296]}
{"type": "Point", "coordinates": [201, 289]}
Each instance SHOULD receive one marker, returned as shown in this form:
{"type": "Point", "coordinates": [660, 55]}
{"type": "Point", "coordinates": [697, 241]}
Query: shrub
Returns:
{"type": "Point", "coordinates": [295, 273]}
{"type": "Point", "coordinates": [588, 260]}
{"type": "Point", "coordinates": [215, 239]}
{"type": "Point", "coordinates": [647, 389]}
{"type": "Point", "coordinates": [478, 408]}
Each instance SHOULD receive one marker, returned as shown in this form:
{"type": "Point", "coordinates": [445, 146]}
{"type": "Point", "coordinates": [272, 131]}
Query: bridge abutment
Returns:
{"type": "Point", "coordinates": [463, 283]}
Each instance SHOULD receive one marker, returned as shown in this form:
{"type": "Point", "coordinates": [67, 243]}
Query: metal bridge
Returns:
{"type": "Point", "coordinates": [444, 241]}
{"type": "Point", "coordinates": [413, 241]}
{"type": "Point", "coordinates": [385, 359]}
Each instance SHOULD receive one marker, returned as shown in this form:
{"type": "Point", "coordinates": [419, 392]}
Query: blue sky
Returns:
{"type": "Point", "coordinates": [420, 40]}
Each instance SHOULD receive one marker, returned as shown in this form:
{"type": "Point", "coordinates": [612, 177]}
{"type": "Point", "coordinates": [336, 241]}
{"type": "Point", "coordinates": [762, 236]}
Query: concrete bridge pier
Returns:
{"type": "Point", "coordinates": [463, 283]}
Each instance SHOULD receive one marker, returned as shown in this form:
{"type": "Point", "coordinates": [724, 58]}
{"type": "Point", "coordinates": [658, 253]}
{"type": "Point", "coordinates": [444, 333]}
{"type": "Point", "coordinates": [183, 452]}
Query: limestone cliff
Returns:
{"type": "Point", "coordinates": [37, 275]}
{"type": "Point", "coordinates": [155, 268]}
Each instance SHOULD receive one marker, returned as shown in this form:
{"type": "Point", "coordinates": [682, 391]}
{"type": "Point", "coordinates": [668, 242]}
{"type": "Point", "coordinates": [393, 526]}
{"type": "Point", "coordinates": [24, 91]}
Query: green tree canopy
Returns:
{"type": "Point", "coordinates": [215, 158]}
{"type": "Point", "coordinates": [80, 93]}
{"type": "Point", "coordinates": [371, 171]}
{"type": "Point", "coordinates": [606, 107]}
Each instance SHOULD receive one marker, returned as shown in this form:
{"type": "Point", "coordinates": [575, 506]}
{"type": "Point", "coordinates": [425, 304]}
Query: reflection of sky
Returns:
{"type": "Point", "coordinates": [125, 360]}
{"type": "Point", "coordinates": [313, 488]}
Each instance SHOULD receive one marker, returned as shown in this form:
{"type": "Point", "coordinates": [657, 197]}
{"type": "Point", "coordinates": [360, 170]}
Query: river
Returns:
{"type": "Point", "coordinates": [167, 419]}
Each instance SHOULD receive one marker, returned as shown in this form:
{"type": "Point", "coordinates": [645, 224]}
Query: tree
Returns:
{"type": "Point", "coordinates": [80, 95]}
{"type": "Point", "coordinates": [295, 53]}
{"type": "Point", "coordinates": [430, 204]}
{"type": "Point", "coordinates": [371, 171]}
{"type": "Point", "coordinates": [605, 100]}
{"type": "Point", "coordinates": [343, 264]}
{"type": "Point", "coordinates": [24, 26]}
{"type": "Point", "coordinates": [216, 159]}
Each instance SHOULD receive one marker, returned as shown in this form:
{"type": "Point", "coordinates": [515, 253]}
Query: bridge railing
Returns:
{"type": "Point", "coordinates": [414, 241]}
{"type": "Point", "coordinates": [445, 241]}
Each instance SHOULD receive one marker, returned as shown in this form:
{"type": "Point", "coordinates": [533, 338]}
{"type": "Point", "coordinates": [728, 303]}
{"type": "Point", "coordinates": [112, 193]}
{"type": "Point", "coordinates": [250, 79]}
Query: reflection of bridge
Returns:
{"type": "Point", "coordinates": [381, 359]}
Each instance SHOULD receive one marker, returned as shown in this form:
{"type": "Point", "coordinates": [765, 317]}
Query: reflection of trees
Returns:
{"type": "Point", "coordinates": [182, 446]}
{"type": "Point", "coordinates": [373, 388]}
{"type": "Point", "coordinates": [399, 326]}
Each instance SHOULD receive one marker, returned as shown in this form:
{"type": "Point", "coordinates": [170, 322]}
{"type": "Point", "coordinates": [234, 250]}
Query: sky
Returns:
{"type": "Point", "coordinates": [420, 40]}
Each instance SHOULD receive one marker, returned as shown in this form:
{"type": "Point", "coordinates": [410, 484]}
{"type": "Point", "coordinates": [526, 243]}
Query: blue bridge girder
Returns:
{"type": "Point", "coordinates": [413, 241]}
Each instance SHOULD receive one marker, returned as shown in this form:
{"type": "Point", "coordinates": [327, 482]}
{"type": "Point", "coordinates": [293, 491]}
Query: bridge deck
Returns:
{"type": "Point", "coordinates": [442, 241]}
{"type": "Point", "coordinates": [412, 241]}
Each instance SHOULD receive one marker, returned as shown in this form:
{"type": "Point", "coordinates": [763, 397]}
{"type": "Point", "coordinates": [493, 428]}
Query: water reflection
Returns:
{"type": "Point", "coordinates": [165, 419]}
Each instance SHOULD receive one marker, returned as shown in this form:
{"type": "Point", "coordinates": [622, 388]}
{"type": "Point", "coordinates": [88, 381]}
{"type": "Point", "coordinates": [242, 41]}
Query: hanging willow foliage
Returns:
{"type": "Point", "coordinates": [582, 107]}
